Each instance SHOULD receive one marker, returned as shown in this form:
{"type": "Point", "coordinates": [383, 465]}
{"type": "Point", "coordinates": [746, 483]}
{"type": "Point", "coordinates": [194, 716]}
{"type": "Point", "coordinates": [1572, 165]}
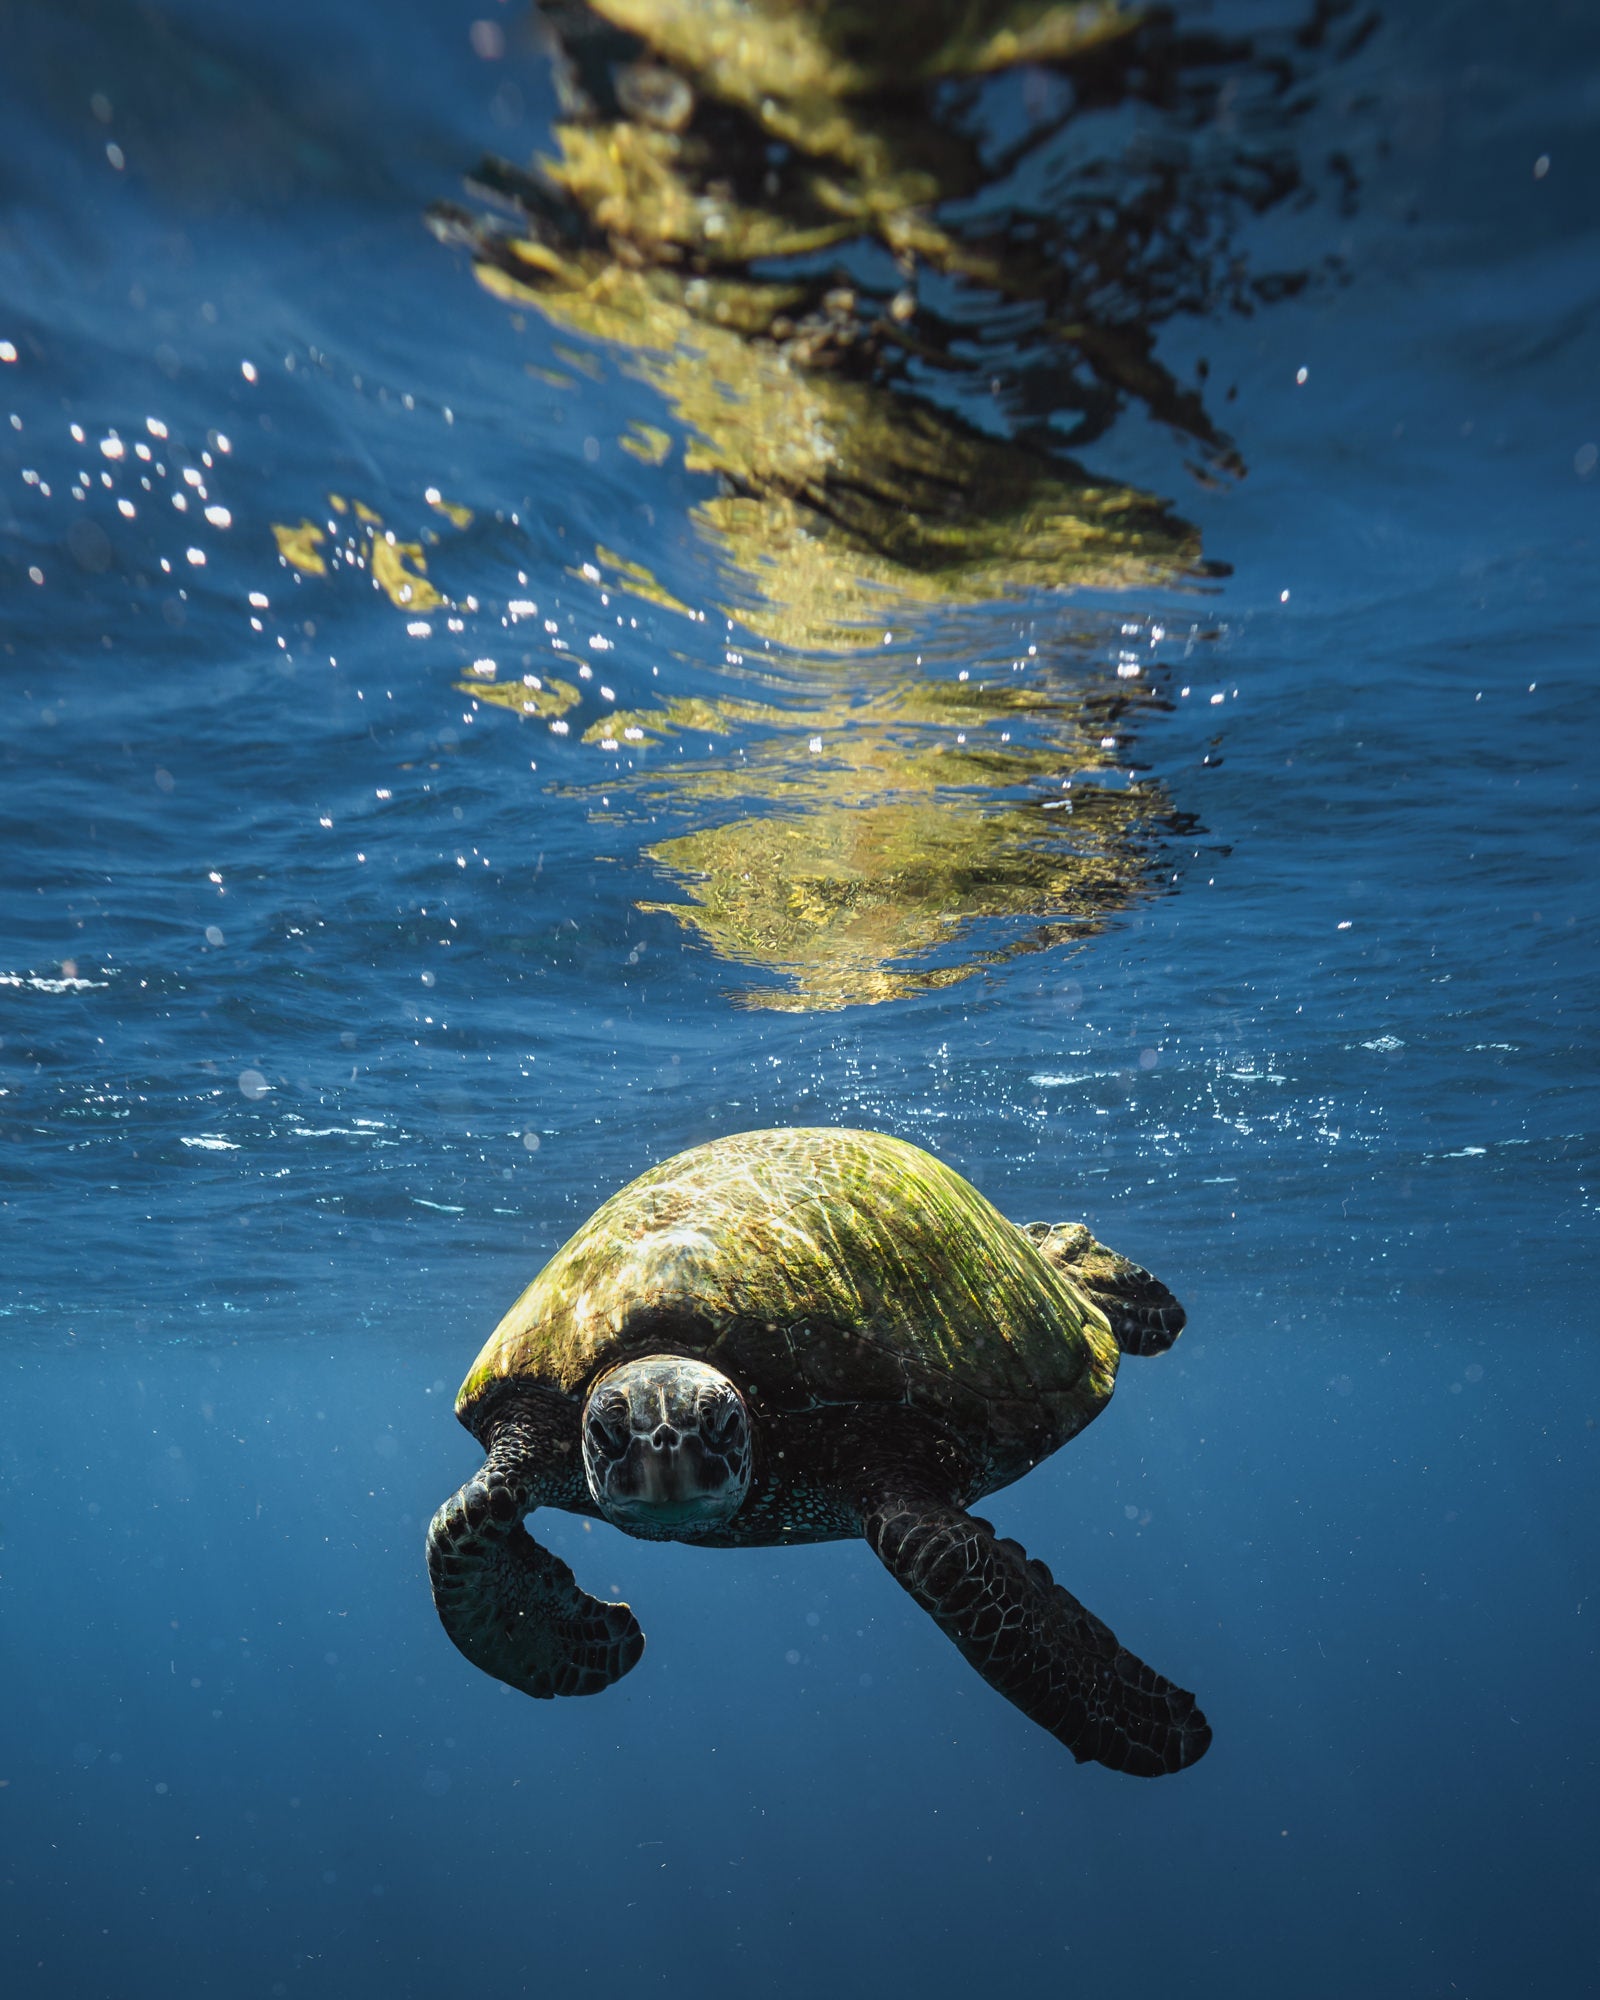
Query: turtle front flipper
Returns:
{"type": "Point", "coordinates": [1034, 1643]}
{"type": "Point", "coordinates": [512, 1607]}
{"type": "Point", "coordinates": [1144, 1315]}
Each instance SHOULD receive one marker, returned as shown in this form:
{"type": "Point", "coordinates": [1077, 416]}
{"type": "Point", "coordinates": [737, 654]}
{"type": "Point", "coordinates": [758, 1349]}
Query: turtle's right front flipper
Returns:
{"type": "Point", "coordinates": [1035, 1643]}
{"type": "Point", "coordinates": [511, 1606]}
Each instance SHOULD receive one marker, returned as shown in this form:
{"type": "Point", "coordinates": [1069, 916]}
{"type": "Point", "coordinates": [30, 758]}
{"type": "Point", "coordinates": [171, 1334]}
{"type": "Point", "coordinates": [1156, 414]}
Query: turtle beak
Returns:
{"type": "Point", "coordinates": [667, 1481]}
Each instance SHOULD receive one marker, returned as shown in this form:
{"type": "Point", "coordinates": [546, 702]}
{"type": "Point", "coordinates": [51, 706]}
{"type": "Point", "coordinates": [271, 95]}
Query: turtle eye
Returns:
{"type": "Point", "coordinates": [719, 1422]}
{"type": "Point", "coordinates": [608, 1443]}
{"type": "Point", "coordinates": [610, 1429]}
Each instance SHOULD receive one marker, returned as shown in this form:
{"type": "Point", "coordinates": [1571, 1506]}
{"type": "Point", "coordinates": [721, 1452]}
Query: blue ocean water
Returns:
{"type": "Point", "coordinates": [335, 992]}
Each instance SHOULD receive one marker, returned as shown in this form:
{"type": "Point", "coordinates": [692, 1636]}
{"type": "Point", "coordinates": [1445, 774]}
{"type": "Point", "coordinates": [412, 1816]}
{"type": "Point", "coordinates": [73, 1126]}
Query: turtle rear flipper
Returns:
{"type": "Point", "coordinates": [515, 1609]}
{"type": "Point", "coordinates": [1144, 1315]}
{"type": "Point", "coordinates": [1035, 1643]}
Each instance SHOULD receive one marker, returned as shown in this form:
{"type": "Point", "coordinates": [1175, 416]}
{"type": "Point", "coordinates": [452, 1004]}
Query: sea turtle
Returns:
{"type": "Point", "coordinates": [797, 1336]}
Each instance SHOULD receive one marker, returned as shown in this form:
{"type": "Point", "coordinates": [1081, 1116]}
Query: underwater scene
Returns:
{"type": "Point", "coordinates": [743, 745]}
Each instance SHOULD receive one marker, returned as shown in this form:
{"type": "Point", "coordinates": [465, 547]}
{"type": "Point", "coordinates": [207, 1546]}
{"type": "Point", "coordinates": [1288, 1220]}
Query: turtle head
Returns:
{"type": "Point", "coordinates": [666, 1447]}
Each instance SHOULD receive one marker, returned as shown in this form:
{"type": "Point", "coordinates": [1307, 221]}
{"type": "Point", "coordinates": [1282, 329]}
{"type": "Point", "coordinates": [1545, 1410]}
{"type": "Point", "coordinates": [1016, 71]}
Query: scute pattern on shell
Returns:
{"type": "Point", "coordinates": [819, 1266]}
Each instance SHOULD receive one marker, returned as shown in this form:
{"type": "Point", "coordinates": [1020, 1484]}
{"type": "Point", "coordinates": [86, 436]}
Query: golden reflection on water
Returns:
{"type": "Point", "coordinates": [843, 503]}
{"type": "Point", "coordinates": [356, 538]}
{"type": "Point", "coordinates": [854, 828]}
{"type": "Point", "coordinates": [834, 901]}
{"type": "Point", "coordinates": [680, 224]}
{"type": "Point", "coordinates": [878, 838]}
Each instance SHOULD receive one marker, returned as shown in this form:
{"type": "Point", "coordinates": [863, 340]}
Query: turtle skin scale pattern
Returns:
{"type": "Point", "coordinates": [1033, 1642]}
{"type": "Point", "coordinates": [510, 1605]}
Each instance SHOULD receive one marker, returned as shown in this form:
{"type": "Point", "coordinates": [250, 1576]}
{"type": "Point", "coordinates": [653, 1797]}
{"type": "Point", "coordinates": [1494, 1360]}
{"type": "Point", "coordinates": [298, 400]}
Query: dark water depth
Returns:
{"type": "Point", "coordinates": [1050, 613]}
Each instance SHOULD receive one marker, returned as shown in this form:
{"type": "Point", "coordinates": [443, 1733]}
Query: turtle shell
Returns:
{"type": "Point", "coordinates": [814, 1267]}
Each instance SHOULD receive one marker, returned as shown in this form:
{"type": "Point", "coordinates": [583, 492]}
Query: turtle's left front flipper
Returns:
{"type": "Point", "coordinates": [512, 1607]}
{"type": "Point", "coordinates": [1035, 1643]}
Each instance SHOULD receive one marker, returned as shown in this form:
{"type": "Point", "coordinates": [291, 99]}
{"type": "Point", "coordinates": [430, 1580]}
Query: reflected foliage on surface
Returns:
{"type": "Point", "coordinates": [864, 844]}
{"type": "Point", "coordinates": [877, 320]}
{"type": "Point", "coordinates": [883, 267]}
